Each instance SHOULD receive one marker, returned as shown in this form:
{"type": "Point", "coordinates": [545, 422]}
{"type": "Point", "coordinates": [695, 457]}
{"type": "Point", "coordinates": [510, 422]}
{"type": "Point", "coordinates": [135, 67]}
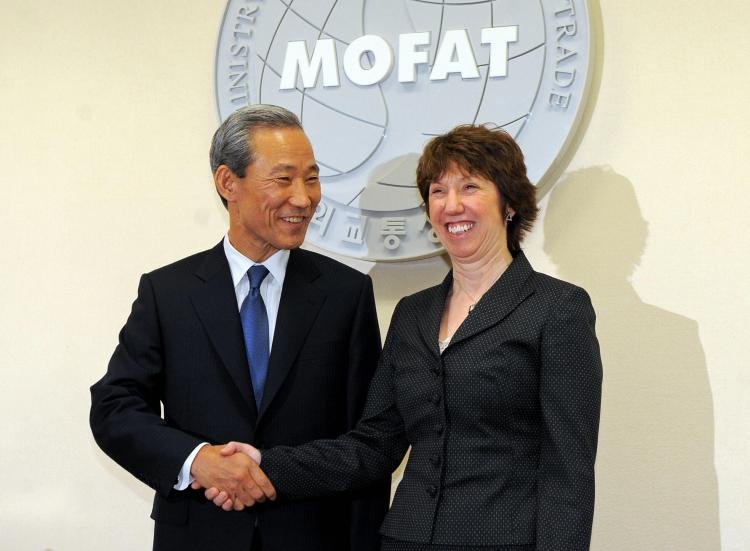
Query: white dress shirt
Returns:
{"type": "Point", "coordinates": [270, 291]}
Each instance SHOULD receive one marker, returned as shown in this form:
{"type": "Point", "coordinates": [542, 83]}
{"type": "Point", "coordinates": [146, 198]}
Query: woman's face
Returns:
{"type": "Point", "coordinates": [465, 214]}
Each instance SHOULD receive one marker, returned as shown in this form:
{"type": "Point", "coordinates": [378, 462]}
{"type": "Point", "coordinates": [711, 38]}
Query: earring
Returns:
{"type": "Point", "coordinates": [508, 216]}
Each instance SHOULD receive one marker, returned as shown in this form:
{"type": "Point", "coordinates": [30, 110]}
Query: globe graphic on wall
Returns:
{"type": "Point", "coordinates": [367, 139]}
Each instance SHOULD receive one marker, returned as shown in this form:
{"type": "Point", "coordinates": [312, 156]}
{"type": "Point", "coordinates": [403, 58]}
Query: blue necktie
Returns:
{"type": "Point", "coordinates": [255, 328]}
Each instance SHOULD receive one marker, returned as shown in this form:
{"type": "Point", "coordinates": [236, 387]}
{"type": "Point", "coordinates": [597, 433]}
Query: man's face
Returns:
{"type": "Point", "coordinates": [271, 206]}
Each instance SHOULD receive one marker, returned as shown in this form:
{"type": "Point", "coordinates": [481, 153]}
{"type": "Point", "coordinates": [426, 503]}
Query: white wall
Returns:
{"type": "Point", "coordinates": [106, 110]}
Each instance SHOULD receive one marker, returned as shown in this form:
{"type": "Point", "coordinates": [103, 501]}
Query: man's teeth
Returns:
{"type": "Point", "coordinates": [293, 219]}
{"type": "Point", "coordinates": [459, 228]}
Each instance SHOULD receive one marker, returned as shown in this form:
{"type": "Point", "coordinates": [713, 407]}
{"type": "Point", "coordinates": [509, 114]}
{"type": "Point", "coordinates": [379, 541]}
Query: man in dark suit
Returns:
{"type": "Point", "coordinates": [254, 340]}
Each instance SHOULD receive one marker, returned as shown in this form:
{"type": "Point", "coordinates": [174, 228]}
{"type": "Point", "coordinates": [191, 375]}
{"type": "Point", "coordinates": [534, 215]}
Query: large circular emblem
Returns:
{"type": "Point", "coordinates": [373, 81]}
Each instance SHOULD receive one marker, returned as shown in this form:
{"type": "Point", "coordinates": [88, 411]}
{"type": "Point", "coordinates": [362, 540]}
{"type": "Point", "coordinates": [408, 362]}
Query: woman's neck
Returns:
{"type": "Point", "coordinates": [474, 278]}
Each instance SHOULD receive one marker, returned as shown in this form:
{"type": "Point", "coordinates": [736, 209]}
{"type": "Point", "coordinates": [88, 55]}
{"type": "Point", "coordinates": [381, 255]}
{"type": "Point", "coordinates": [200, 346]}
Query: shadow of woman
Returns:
{"type": "Point", "coordinates": [656, 482]}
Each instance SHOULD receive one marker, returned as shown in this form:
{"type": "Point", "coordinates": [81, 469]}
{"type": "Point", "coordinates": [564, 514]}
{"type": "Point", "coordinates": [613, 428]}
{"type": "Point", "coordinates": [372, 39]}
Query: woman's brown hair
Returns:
{"type": "Point", "coordinates": [491, 154]}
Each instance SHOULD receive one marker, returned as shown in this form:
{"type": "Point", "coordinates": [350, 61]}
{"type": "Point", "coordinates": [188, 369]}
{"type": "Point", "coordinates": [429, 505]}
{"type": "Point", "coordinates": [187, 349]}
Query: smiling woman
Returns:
{"type": "Point", "coordinates": [487, 158]}
{"type": "Point", "coordinates": [481, 203]}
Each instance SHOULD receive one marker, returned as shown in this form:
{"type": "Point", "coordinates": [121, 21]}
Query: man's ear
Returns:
{"type": "Point", "coordinates": [226, 183]}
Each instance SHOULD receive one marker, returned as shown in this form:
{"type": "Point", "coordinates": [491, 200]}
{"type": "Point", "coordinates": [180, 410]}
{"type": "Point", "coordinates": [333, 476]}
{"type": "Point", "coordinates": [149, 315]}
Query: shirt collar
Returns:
{"type": "Point", "coordinates": [239, 264]}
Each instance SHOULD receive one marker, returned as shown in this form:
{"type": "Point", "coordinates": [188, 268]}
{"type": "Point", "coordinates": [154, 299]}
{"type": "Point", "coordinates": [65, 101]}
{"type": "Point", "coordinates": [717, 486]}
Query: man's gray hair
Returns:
{"type": "Point", "coordinates": [231, 142]}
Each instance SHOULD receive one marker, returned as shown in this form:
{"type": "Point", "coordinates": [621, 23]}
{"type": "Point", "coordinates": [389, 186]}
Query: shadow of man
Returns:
{"type": "Point", "coordinates": [656, 482]}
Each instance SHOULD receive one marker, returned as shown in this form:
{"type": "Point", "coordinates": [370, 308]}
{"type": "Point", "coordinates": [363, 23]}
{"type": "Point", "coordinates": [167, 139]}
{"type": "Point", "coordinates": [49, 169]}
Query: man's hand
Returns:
{"type": "Point", "coordinates": [234, 480]}
{"type": "Point", "coordinates": [222, 498]}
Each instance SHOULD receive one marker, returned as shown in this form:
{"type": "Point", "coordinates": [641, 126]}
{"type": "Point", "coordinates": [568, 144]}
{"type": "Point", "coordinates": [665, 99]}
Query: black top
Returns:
{"type": "Point", "coordinates": [503, 425]}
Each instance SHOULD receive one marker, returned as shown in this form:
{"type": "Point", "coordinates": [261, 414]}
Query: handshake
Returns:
{"type": "Point", "coordinates": [230, 476]}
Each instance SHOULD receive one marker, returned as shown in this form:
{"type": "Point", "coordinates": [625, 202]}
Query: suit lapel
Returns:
{"type": "Point", "coordinates": [432, 312]}
{"type": "Point", "coordinates": [216, 305]}
{"type": "Point", "coordinates": [300, 303]}
{"type": "Point", "coordinates": [513, 287]}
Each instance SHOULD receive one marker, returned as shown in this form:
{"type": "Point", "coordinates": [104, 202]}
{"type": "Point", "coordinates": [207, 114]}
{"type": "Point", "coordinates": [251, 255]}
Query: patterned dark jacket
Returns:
{"type": "Point", "coordinates": [503, 425]}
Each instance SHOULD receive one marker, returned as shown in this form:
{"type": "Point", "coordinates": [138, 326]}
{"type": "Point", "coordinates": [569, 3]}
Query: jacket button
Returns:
{"type": "Point", "coordinates": [432, 491]}
{"type": "Point", "coordinates": [435, 460]}
{"type": "Point", "coordinates": [439, 428]}
{"type": "Point", "coordinates": [435, 370]}
{"type": "Point", "coordinates": [435, 398]}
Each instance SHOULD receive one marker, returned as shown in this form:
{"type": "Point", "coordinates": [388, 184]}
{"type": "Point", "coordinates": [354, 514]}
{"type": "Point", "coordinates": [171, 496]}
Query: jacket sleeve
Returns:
{"type": "Point", "coordinates": [570, 380]}
{"type": "Point", "coordinates": [125, 412]}
{"type": "Point", "coordinates": [370, 504]}
{"type": "Point", "coordinates": [359, 458]}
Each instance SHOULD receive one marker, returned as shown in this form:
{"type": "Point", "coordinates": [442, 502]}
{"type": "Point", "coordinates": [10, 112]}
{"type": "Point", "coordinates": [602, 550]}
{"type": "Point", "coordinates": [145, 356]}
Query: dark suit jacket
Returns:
{"type": "Point", "coordinates": [182, 346]}
{"type": "Point", "coordinates": [503, 426]}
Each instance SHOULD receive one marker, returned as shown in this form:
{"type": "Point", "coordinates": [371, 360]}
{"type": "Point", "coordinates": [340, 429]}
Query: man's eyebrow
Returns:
{"type": "Point", "coordinates": [283, 167]}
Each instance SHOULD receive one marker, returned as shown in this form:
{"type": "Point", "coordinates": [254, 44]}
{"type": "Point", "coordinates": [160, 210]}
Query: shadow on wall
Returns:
{"type": "Point", "coordinates": [656, 482]}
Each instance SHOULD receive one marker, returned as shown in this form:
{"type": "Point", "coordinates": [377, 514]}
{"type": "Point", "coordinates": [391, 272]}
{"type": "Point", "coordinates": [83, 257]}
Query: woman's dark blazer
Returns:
{"type": "Point", "coordinates": [503, 426]}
